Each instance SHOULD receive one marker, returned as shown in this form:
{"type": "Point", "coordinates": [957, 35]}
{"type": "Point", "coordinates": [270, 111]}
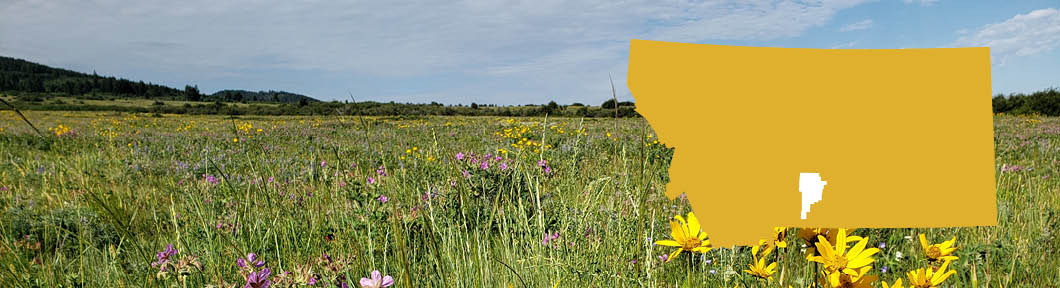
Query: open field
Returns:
{"type": "Point", "coordinates": [434, 201]}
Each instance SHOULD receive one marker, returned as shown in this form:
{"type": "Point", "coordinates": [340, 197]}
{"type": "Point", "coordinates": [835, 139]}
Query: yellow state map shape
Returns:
{"type": "Point", "coordinates": [903, 137]}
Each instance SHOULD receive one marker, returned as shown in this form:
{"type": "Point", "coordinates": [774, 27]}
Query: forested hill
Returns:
{"type": "Point", "coordinates": [19, 76]}
{"type": "Point", "coordinates": [260, 96]}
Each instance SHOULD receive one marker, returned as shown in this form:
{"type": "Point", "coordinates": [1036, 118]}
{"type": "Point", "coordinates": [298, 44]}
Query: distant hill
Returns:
{"type": "Point", "coordinates": [260, 96]}
{"type": "Point", "coordinates": [19, 76]}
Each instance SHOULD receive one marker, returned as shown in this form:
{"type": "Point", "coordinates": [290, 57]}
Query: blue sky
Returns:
{"type": "Point", "coordinates": [512, 52]}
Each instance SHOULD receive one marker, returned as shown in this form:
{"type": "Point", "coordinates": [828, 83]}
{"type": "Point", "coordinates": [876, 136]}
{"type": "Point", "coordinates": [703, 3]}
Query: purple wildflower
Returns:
{"type": "Point", "coordinates": [371, 180]}
{"type": "Point", "coordinates": [466, 174]}
{"type": "Point", "coordinates": [210, 179]}
{"type": "Point", "coordinates": [381, 171]}
{"type": "Point", "coordinates": [323, 163]}
{"type": "Point", "coordinates": [484, 165]}
{"type": "Point", "coordinates": [163, 257]}
{"type": "Point", "coordinates": [664, 257]}
{"type": "Point", "coordinates": [1011, 168]}
{"type": "Point", "coordinates": [270, 179]}
{"type": "Point", "coordinates": [460, 156]}
{"type": "Point", "coordinates": [504, 166]}
{"type": "Point", "coordinates": [542, 163]}
{"type": "Point", "coordinates": [251, 259]}
{"type": "Point", "coordinates": [377, 280]}
{"type": "Point", "coordinates": [3, 188]}
{"type": "Point", "coordinates": [882, 245]}
{"type": "Point", "coordinates": [883, 269]}
{"type": "Point", "coordinates": [382, 199]}
{"type": "Point", "coordinates": [259, 279]}
{"type": "Point", "coordinates": [549, 238]}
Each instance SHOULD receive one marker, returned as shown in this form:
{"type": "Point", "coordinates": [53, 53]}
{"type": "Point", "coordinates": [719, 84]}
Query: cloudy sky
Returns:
{"type": "Point", "coordinates": [501, 52]}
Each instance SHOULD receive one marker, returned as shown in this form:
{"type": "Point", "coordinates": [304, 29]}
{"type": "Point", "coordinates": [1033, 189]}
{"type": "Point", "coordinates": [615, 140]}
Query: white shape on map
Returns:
{"type": "Point", "coordinates": [811, 187]}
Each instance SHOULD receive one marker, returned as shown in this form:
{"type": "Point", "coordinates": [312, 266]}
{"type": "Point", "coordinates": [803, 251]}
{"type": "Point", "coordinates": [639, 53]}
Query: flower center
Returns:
{"type": "Point", "coordinates": [691, 243]}
{"type": "Point", "coordinates": [934, 252]}
{"type": "Point", "coordinates": [839, 262]}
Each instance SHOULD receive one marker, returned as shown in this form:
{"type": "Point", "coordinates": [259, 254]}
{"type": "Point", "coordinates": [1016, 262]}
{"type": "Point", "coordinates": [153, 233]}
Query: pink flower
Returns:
{"type": "Point", "coordinates": [460, 156]}
{"type": "Point", "coordinates": [371, 180]}
{"type": "Point", "coordinates": [377, 280]}
{"type": "Point", "coordinates": [383, 199]}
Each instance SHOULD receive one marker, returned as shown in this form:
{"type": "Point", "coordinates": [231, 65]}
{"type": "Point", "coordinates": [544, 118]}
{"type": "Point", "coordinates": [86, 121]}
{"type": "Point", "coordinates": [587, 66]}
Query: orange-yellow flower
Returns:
{"type": "Point", "coordinates": [687, 236]}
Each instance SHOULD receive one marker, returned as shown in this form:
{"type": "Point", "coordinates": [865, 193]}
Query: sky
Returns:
{"type": "Point", "coordinates": [493, 52]}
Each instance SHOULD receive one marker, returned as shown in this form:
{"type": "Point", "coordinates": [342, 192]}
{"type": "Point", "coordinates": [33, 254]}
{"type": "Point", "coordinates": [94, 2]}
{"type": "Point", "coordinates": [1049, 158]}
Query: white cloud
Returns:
{"type": "Point", "coordinates": [568, 46]}
{"type": "Point", "coordinates": [844, 45]}
{"type": "Point", "coordinates": [860, 25]}
{"type": "Point", "coordinates": [1023, 35]}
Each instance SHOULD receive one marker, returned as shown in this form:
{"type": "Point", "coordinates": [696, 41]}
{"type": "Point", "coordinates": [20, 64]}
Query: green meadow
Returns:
{"type": "Point", "coordinates": [436, 201]}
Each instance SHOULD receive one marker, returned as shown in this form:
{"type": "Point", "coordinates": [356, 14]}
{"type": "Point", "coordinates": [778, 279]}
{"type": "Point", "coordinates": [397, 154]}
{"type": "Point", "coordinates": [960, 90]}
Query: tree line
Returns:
{"type": "Point", "coordinates": [1045, 102]}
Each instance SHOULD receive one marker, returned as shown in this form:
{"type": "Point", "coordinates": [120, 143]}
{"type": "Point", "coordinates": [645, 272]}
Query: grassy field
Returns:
{"type": "Point", "coordinates": [432, 202]}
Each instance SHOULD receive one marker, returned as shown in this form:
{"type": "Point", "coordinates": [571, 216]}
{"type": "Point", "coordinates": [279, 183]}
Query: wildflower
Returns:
{"type": "Point", "coordinates": [323, 163]}
{"type": "Point", "coordinates": [840, 261]}
{"type": "Point", "coordinates": [549, 238]}
{"type": "Point", "coordinates": [377, 280]}
{"type": "Point", "coordinates": [882, 245]}
{"type": "Point", "coordinates": [838, 279]}
{"type": "Point", "coordinates": [371, 180]}
{"type": "Point", "coordinates": [3, 188]}
{"type": "Point", "coordinates": [810, 237]}
{"type": "Point", "coordinates": [883, 270]}
{"type": "Point", "coordinates": [252, 259]}
{"type": "Point", "coordinates": [897, 284]}
{"type": "Point", "coordinates": [381, 171]}
{"type": "Point", "coordinates": [759, 268]}
{"type": "Point", "coordinates": [687, 236]}
{"type": "Point", "coordinates": [504, 166]}
{"type": "Point", "coordinates": [259, 279]}
{"type": "Point", "coordinates": [484, 165]}
{"type": "Point", "coordinates": [664, 257]}
{"type": "Point", "coordinates": [460, 156]}
{"type": "Point", "coordinates": [382, 199]}
{"type": "Point", "coordinates": [927, 277]}
{"type": "Point", "coordinates": [1011, 168]}
{"type": "Point", "coordinates": [163, 257]}
{"type": "Point", "coordinates": [942, 251]}
{"type": "Point", "coordinates": [466, 174]}
{"type": "Point", "coordinates": [780, 237]}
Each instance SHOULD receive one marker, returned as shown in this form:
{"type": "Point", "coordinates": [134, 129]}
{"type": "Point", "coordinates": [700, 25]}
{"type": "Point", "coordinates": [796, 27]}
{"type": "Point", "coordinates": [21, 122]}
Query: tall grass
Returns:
{"type": "Point", "coordinates": [103, 199]}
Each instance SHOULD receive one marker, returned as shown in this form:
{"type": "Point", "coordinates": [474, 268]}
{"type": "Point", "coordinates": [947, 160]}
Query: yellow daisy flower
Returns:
{"type": "Point", "coordinates": [810, 237]}
{"type": "Point", "coordinates": [780, 239]}
{"type": "Point", "coordinates": [928, 278]}
{"type": "Point", "coordinates": [838, 279]}
{"type": "Point", "coordinates": [687, 236]}
{"type": "Point", "coordinates": [759, 268]}
{"type": "Point", "coordinates": [840, 259]}
{"type": "Point", "coordinates": [936, 252]}
{"type": "Point", "coordinates": [897, 284]}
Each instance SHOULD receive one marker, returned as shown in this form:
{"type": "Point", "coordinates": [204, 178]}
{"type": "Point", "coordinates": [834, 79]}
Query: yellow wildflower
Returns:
{"type": "Point", "coordinates": [941, 251]}
{"type": "Point", "coordinates": [687, 236]}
